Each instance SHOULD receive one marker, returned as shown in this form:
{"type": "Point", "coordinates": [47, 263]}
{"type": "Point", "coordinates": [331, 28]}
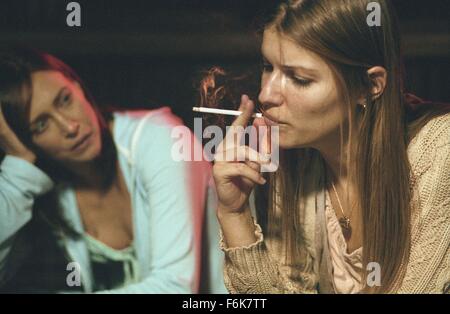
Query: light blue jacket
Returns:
{"type": "Point", "coordinates": [171, 203]}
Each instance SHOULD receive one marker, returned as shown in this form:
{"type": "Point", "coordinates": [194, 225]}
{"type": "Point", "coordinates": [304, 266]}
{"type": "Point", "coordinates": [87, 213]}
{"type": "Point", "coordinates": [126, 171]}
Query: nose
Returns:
{"type": "Point", "coordinates": [69, 126]}
{"type": "Point", "coordinates": [271, 94]}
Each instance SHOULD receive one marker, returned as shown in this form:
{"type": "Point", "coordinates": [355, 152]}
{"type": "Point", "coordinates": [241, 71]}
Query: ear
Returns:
{"type": "Point", "coordinates": [378, 77]}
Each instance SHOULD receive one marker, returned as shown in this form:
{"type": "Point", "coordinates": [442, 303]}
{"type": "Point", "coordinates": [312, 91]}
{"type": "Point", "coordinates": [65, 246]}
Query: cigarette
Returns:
{"type": "Point", "coordinates": [224, 111]}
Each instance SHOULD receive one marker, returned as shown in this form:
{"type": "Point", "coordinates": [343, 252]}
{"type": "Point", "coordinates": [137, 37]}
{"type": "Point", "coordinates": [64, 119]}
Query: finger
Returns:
{"type": "Point", "coordinates": [254, 165]}
{"type": "Point", "coordinates": [9, 142]}
{"type": "Point", "coordinates": [233, 170]}
{"type": "Point", "coordinates": [5, 130]}
{"type": "Point", "coordinates": [241, 153]}
{"type": "Point", "coordinates": [2, 118]}
{"type": "Point", "coordinates": [246, 107]}
{"type": "Point", "coordinates": [265, 141]}
{"type": "Point", "coordinates": [237, 129]}
{"type": "Point", "coordinates": [259, 122]}
{"type": "Point", "coordinates": [264, 136]}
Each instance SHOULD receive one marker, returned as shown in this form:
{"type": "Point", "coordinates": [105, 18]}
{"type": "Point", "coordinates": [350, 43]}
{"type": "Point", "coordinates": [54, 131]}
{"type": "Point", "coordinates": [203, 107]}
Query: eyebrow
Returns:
{"type": "Point", "coordinates": [55, 101]}
{"type": "Point", "coordinates": [300, 67]}
{"type": "Point", "coordinates": [293, 67]}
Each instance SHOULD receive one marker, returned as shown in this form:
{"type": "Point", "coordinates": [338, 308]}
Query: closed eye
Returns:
{"type": "Point", "coordinates": [297, 80]}
{"type": "Point", "coordinates": [300, 81]}
{"type": "Point", "coordinates": [266, 66]}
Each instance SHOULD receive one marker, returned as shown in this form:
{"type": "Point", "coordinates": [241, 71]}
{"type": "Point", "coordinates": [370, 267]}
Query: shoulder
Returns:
{"type": "Point", "coordinates": [157, 138]}
{"type": "Point", "coordinates": [429, 154]}
{"type": "Point", "coordinates": [142, 131]}
{"type": "Point", "coordinates": [128, 122]}
{"type": "Point", "coordinates": [432, 142]}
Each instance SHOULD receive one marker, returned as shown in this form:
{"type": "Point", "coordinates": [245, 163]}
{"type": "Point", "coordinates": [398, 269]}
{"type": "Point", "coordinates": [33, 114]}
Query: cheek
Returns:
{"type": "Point", "coordinates": [92, 120]}
{"type": "Point", "coordinates": [85, 110]}
{"type": "Point", "coordinates": [98, 142]}
{"type": "Point", "coordinates": [48, 144]}
{"type": "Point", "coordinates": [313, 100]}
{"type": "Point", "coordinates": [91, 116]}
{"type": "Point", "coordinates": [314, 113]}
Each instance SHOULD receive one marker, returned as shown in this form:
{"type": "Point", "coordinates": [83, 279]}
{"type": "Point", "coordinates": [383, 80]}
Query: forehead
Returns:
{"type": "Point", "coordinates": [44, 81]}
{"type": "Point", "coordinates": [45, 86]}
{"type": "Point", "coordinates": [279, 49]}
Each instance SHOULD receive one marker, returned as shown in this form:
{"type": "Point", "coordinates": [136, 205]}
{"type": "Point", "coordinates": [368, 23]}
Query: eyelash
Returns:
{"type": "Point", "coordinates": [267, 67]}
{"type": "Point", "coordinates": [300, 82]}
{"type": "Point", "coordinates": [66, 99]}
{"type": "Point", "coordinates": [38, 131]}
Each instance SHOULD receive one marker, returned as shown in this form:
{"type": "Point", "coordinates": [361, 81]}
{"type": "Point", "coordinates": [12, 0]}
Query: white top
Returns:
{"type": "Point", "coordinates": [346, 267]}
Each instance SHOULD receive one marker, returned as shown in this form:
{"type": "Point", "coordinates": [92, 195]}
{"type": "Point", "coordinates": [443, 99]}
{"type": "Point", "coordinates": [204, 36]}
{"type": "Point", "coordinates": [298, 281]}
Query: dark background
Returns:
{"type": "Point", "coordinates": [138, 53]}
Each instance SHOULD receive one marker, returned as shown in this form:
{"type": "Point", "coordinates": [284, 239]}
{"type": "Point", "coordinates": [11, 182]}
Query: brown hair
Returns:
{"type": "Point", "coordinates": [377, 161]}
{"type": "Point", "coordinates": [16, 66]}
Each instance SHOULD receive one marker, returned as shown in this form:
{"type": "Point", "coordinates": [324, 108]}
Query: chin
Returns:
{"type": "Point", "coordinates": [90, 154]}
{"type": "Point", "coordinates": [290, 141]}
{"type": "Point", "coordinates": [94, 152]}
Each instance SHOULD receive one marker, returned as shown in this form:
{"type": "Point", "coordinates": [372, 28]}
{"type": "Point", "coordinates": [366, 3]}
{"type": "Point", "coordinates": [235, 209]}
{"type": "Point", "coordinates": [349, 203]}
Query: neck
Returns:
{"type": "Point", "coordinates": [86, 175]}
{"type": "Point", "coordinates": [335, 157]}
{"type": "Point", "coordinates": [336, 166]}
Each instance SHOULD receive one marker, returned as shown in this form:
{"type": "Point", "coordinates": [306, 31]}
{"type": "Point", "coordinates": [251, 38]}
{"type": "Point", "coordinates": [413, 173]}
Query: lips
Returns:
{"type": "Point", "coordinates": [271, 121]}
{"type": "Point", "coordinates": [81, 141]}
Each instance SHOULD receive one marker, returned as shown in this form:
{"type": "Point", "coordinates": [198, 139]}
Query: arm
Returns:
{"type": "Point", "coordinates": [20, 183]}
{"type": "Point", "coordinates": [251, 269]}
{"type": "Point", "coordinates": [428, 269]}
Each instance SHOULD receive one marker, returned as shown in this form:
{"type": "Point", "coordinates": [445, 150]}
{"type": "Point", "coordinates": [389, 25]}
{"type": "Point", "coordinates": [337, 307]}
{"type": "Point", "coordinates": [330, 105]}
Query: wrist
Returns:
{"type": "Point", "coordinates": [30, 157]}
{"type": "Point", "coordinates": [225, 213]}
{"type": "Point", "coordinates": [238, 228]}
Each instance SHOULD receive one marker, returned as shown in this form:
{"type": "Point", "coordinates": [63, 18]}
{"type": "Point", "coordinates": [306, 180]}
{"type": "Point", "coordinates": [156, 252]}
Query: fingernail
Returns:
{"type": "Point", "coordinates": [262, 180]}
{"type": "Point", "coordinates": [243, 99]}
{"type": "Point", "coordinates": [247, 100]}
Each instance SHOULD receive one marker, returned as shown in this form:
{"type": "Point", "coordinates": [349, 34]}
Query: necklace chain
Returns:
{"type": "Point", "coordinates": [345, 220]}
{"type": "Point", "coordinates": [339, 201]}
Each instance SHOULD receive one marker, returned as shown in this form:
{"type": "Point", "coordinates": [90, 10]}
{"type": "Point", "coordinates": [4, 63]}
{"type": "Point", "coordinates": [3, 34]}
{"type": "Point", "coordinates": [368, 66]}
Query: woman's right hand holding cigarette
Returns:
{"type": "Point", "coordinates": [235, 178]}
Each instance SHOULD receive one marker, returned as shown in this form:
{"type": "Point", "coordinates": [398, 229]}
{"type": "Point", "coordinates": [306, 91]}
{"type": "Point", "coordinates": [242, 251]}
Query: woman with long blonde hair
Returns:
{"type": "Point", "coordinates": [361, 199]}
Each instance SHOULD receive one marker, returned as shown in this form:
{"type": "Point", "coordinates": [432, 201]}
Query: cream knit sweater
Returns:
{"type": "Point", "coordinates": [259, 268]}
